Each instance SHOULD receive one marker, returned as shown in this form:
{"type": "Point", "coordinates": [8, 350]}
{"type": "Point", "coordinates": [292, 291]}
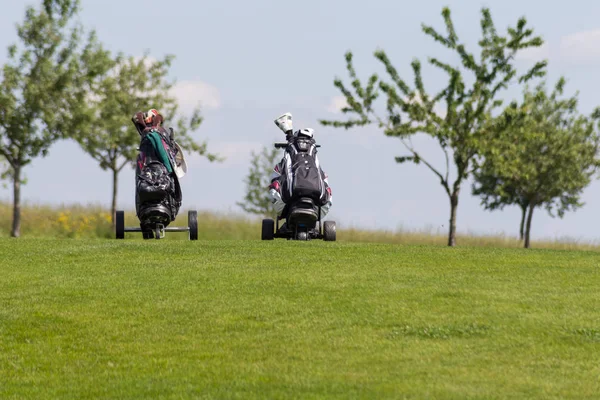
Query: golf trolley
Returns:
{"type": "Point", "coordinates": [302, 223]}
{"type": "Point", "coordinates": [160, 227]}
{"type": "Point", "coordinates": [159, 165]}
{"type": "Point", "coordinates": [302, 220]}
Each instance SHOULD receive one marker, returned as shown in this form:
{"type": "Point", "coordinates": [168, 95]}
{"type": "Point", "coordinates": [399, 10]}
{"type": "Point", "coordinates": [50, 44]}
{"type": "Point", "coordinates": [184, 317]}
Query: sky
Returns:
{"type": "Point", "coordinates": [246, 63]}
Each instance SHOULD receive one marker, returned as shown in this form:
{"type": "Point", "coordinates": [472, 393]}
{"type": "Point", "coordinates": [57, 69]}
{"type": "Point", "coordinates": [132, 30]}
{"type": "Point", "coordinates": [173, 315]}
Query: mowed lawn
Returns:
{"type": "Point", "coordinates": [289, 320]}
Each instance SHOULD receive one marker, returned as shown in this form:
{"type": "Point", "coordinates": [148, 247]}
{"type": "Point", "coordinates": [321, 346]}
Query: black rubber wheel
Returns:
{"type": "Point", "coordinates": [193, 224]}
{"type": "Point", "coordinates": [148, 235]}
{"type": "Point", "coordinates": [329, 231]}
{"type": "Point", "coordinates": [268, 229]}
{"type": "Point", "coordinates": [120, 224]}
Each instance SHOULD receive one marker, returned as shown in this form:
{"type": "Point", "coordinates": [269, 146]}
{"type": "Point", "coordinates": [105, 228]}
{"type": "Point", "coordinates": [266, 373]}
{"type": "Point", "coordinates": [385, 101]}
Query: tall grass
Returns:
{"type": "Point", "coordinates": [425, 237]}
{"type": "Point", "coordinates": [93, 221]}
{"type": "Point", "coordinates": [66, 221]}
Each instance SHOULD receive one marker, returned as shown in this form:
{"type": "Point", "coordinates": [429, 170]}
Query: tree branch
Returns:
{"type": "Point", "coordinates": [123, 165]}
{"type": "Point", "coordinates": [447, 163]}
{"type": "Point", "coordinates": [443, 181]}
{"type": "Point", "coordinates": [8, 158]}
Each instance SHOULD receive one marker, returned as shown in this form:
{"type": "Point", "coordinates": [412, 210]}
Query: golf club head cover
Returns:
{"type": "Point", "coordinates": [284, 122]}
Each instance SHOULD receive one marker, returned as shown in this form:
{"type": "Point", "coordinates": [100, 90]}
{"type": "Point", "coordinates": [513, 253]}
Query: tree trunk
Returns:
{"type": "Point", "coordinates": [16, 225]}
{"type": "Point", "coordinates": [522, 226]}
{"type": "Point", "coordinates": [528, 228]}
{"type": "Point", "coordinates": [113, 208]}
{"type": "Point", "coordinates": [453, 207]}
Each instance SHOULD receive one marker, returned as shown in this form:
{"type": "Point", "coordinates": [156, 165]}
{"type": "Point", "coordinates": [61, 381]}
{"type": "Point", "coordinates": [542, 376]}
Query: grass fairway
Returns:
{"type": "Point", "coordinates": [281, 320]}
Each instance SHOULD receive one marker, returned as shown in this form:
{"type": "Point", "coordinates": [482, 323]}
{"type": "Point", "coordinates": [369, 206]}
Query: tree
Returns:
{"type": "Point", "coordinates": [469, 100]}
{"type": "Point", "coordinates": [487, 187]}
{"type": "Point", "coordinates": [103, 108]}
{"type": "Point", "coordinates": [257, 181]}
{"type": "Point", "coordinates": [543, 154]}
{"type": "Point", "coordinates": [33, 84]}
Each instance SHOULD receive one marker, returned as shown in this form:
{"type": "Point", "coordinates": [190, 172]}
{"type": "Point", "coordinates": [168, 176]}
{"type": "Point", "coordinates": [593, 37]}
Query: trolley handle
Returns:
{"type": "Point", "coordinates": [283, 145]}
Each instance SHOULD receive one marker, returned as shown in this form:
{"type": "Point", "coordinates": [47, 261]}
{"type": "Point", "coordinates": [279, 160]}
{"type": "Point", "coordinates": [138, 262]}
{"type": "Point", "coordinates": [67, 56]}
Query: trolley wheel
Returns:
{"type": "Point", "coordinates": [329, 231]}
{"type": "Point", "coordinates": [120, 224]}
{"type": "Point", "coordinates": [268, 229]}
{"type": "Point", "coordinates": [193, 224]}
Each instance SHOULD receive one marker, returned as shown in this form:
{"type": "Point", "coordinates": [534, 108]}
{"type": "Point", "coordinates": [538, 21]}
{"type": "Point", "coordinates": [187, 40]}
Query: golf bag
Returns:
{"type": "Point", "coordinates": [303, 177]}
{"type": "Point", "coordinates": [158, 192]}
{"type": "Point", "coordinates": [299, 187]}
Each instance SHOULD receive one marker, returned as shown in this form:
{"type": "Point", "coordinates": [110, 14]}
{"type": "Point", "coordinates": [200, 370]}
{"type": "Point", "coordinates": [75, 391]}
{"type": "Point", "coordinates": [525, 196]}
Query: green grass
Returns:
{"type": "Point", "coordinates": [93, 221]}
{"type": "Point", "coordinates": [282, 320]}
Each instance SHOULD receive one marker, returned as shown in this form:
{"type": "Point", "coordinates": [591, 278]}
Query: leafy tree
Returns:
{"type": "Point", "coordinates": [104, 106]}
{"type": "Point", "coordinates": [543, 154]}
{"type": "Point", "coordinates": [487, 187]}
{"type": "Point", "coordinates": [472, 93]}
{"type": "Point", "coordinates": [33, 84]}
{"type": "Point", "coordinates": [257, 181]}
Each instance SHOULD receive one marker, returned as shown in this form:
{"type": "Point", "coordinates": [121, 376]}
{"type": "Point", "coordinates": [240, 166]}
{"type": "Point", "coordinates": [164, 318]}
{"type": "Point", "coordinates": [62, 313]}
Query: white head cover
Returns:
{"type": "Point", "coordinates": [308, 132]}
{"type": "Point", "coordinates": [284, 122]}
{"type": "Point", "coordinates": [180, 163]}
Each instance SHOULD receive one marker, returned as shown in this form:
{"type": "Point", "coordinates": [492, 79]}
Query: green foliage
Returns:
{"type": "Point", "coordinates": [459, 125]}
{"type": "Point", "coordinates": [34, 79]}
{"type": "Point", "coordinates": [257, 182]}
{"type": "Point", "coordinates": [5, 171]}
{"type": "Point", "coordinates": [487, 186]}
{"type": "Point", "coordinates": [33, 85]}
{"type": "Point", "coordinates": [540, 153]}
{"type": "Point", "coordinates": [89, 319]}
{"type": "Point", "coordinates": [102, 108]}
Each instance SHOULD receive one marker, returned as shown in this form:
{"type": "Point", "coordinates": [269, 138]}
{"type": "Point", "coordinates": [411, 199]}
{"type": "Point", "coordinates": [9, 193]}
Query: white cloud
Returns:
{"type": "Point", "coordinates": [576, 48]}
{"type": "Point", "coordinates": [189, 93]}
{"type": "Point", "coordinates": [438, 108]}
{"type": "Point", "coordinates": [193, 93]}
{"type": "Point", "coordinates": [534, 54]}
{"type": "Point", "coordinates": [581, 46]}
{"type": "Point", "coordinates": [336, 104]}
{"type": "Point", "coordinates": [148, 60]}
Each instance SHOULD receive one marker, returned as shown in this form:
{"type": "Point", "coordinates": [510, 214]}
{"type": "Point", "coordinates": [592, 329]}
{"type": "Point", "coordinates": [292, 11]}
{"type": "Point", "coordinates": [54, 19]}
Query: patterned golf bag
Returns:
{"type": "Point", "coordinates": [158, 192]}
